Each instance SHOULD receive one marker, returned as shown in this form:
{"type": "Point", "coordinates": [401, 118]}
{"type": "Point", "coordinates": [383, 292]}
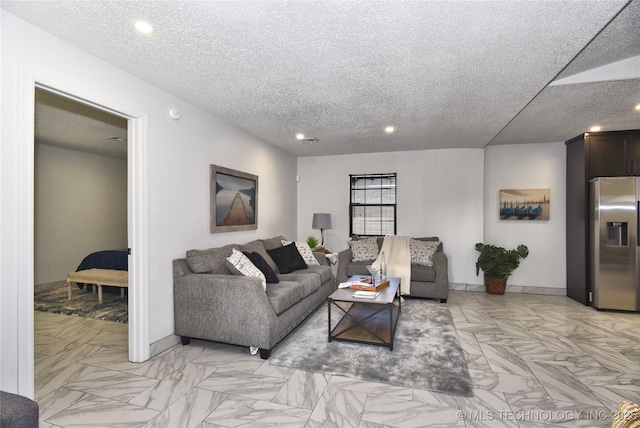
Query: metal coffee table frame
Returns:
{"type": "Point", "coordinates": [364, 320]}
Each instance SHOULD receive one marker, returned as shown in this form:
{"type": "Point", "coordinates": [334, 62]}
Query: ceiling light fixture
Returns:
{"type": "Point", "coordinates": [637, 106]}
{"type": "Point", "coordinates": [595, 129]}
{"type": "Point", "coordinates": [143, 27]}
{"type": "Point", "coordinates": [300, 136]}
{"type": "Point", "coordinates": [389, 129]}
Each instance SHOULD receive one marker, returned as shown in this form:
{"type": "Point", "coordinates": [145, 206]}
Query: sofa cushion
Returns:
{"type": "Point", "coordinates": [423, 273]}
{"type": "Point", "coordinates": [284, 295]}
{"type": "Point", "coordinates": [258, 247]}
{"type": "Point", "coordinates": [323, 271]}
{"type": "Point", "coordinates": [239, 264]}
{"type": "Point", "coordinates": [364, 250]}
{"type": "Point", "coordinates": [305, 252]}
{"type": "Point", "coordinates": [422, 251]}
{"type": "Point", "coordinates": [271, 243]}
{"type": "Point", "coordinates": [212, 260]}
{"type": "Point", "coordinates": [264, 267]}
{"type": "Point", "coordinates": [308, 281]}
{"type": "Point", "coordinates": [287, 258]}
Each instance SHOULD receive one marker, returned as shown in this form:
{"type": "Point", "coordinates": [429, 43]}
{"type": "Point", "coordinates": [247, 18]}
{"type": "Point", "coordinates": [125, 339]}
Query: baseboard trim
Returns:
{"type": "Point", "coordinates": [518, 289]}
{"type": "Point", "coordinates": [164, 344]}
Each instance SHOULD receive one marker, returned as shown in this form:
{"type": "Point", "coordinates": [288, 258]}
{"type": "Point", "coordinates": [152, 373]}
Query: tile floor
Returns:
{"type": "Point", "coordinates": [535, 361]}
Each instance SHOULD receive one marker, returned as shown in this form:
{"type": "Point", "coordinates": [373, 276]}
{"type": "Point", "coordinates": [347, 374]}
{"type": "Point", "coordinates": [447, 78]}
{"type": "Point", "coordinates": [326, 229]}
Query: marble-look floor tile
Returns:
{"type": "Point", "coordinates": [371, 388]}
{"type": "Point", "coordinates": [50, 381]}
{"type": "Point", "coordinates": [409, 414]}
{"type": "Point", "coordinates": [562, 345]}
{"type": "Point", "coordinates": [240, 412]}
{"type": "Point", "coordinates": [562, 385]}
{"type": "Point", "coordinates": [505, 360]}
{"type": "Point", "coordinates": [172, 387]}
{"type": "Point", "coordinates": [102, 412]}
{"type": "Point", "coordinates": [338, 408]}
{"type": "Point", "coordinates": [112, 384]}
{"type": "Point", "coordinates": [302, 389]}
{"type": "Point", "coordinates": [58, 400]}
{"type": "Point", "coordinates": [245, 384]}
{"type": "Point", "coordinates": [168, 362]}
{"type": "Point", "coordinates": [189, 411]}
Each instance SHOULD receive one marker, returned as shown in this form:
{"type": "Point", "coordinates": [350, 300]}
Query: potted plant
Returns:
{"type": "Point", "coordinates": [498, 264]}
{"type": "Point", "coordinates": [312, 241]}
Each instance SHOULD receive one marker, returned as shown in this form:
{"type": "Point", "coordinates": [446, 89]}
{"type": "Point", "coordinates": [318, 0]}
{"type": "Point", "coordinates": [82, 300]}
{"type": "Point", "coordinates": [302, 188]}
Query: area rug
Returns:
{"type": "Point", "coordinates": [426, 355]}
{"type": "Point", "coordinates": [82, 304]}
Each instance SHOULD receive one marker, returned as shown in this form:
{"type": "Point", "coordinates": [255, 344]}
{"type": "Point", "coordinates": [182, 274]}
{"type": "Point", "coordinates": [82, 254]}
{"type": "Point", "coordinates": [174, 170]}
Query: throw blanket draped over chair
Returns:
{"type": "Point", "coordinates": [397, 258]}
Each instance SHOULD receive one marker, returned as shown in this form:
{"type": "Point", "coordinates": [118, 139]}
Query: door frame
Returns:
{"type": "Point", "coordinates": [137, 209]}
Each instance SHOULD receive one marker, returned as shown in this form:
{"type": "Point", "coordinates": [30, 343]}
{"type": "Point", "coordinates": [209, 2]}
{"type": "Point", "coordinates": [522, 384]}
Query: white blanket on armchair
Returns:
{"type": "Point", "coordinates": [397, 258]}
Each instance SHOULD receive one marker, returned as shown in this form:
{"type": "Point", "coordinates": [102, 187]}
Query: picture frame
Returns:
{"type": "Point", "coordinates": [524, 204]}
{"type": "Point", "coordinates": [233, 200]}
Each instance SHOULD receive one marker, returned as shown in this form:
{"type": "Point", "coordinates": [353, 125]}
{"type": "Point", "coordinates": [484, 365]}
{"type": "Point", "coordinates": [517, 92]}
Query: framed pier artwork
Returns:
{"type": "Point", "coordinates": [234, 200]}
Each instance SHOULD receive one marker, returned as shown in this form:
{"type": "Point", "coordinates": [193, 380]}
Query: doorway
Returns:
{"type": "Point", "coordinates": [80, 180]}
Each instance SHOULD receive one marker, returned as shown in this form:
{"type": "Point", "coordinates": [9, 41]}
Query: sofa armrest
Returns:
{"type": "Point", "coordinates": [441, 266]}
{"type": "Point", "coordinates": [223, 308]}
{"type": "Point", "coordinates": [344, 258]}
{"type": "Point", "coordinates": [321, 258]}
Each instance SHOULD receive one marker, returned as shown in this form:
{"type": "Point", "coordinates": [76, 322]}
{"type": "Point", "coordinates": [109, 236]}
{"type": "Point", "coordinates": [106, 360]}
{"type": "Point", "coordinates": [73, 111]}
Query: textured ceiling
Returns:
{"type": "Point", "coordinates": [445, 74]}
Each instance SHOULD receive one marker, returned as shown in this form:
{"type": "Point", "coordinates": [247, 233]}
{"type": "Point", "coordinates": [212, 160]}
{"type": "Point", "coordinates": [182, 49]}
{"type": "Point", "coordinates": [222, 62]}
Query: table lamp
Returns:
{"type": "Point", "coordinates": [321, 221]}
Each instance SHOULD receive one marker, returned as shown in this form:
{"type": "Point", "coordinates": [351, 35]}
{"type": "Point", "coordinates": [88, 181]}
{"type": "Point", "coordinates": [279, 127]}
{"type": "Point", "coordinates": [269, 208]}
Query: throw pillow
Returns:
{"type": "Point", "coordinates": [287, 258]}
{"type": "Point", "coordinates": [305, 252]}
{"type": "Point", "coordinates": [243, 265]}
{"type": "Point", "coordinates": [364, 250]}
{"type": "Point", "coordinates": [264, 267]}
{"type": "Point", "coordinates": [422, 251]}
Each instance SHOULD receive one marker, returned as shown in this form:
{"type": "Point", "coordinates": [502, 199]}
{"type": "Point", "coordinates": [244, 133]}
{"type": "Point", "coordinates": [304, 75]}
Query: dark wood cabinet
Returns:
{"type": "Point", "coordinates": [602, 154]}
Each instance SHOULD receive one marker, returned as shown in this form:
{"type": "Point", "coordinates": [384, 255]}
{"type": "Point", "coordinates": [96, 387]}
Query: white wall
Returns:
{"type": "Point", "coordinates": [177, 157]}
{"type": "Point", "coordinates": [80, 207]}
{"type": "Point", "coordinates": [440, 193]}
{"type": "Point", "coordinates": [529, 166]}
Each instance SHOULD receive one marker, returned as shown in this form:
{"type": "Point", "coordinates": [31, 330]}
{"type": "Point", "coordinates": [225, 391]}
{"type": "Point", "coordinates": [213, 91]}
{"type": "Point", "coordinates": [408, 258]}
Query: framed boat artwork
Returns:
{"type": "Point", "coordinates": [233, 199]}
{"type": "Point", "coordinates": [525, 204]}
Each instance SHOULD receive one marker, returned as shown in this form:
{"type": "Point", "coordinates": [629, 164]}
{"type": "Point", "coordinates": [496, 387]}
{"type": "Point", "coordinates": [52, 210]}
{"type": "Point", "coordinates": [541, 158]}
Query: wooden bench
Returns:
{"type": "Point", "coordinates": [99, 277]}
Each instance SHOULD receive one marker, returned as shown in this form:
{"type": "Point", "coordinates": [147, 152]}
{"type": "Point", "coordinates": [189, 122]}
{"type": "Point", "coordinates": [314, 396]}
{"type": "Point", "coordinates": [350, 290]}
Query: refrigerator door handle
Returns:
{"type": "Point", "coordinates": [638, 224]}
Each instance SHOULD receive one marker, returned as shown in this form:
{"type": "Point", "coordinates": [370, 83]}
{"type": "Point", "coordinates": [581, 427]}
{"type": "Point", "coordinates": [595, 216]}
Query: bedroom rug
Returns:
{"type": "Point", "coordinates": [426, 355]}
{"type": "Point", "coordinates": [82, 304]}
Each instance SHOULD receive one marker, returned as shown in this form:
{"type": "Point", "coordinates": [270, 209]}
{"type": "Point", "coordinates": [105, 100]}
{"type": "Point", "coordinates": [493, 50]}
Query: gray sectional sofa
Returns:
{"type": "Point", "coordinates": [212, 303]}
{"type": "Point", "coordinates": [426, 281]}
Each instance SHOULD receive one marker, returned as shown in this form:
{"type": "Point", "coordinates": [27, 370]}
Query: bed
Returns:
{"type": "Point", "coordinates": [107, 259]}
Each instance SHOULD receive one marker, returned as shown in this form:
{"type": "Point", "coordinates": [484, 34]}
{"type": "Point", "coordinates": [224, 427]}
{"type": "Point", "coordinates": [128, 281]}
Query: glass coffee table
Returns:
{"type": "Point", "coordinates": [366, 320]}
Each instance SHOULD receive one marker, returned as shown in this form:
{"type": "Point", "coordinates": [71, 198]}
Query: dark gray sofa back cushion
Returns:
{"type": "Point", "coordinates": [212, 260]}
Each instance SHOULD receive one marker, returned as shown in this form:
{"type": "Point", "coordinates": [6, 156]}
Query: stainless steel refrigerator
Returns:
{"type": "Point", "coordinates": [615, 240]}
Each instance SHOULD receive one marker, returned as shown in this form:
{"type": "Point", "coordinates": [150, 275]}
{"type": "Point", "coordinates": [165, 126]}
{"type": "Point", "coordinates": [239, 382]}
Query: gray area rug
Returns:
{"type": "Point", "coordinates": [82, 304]}
{"type": "Point", "coordinates": [427, 354]}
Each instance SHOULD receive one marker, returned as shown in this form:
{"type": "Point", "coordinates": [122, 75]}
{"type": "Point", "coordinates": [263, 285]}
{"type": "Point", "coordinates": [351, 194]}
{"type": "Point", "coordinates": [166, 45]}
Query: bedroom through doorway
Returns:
{"type": "Point", "coordinates": [80, 215]}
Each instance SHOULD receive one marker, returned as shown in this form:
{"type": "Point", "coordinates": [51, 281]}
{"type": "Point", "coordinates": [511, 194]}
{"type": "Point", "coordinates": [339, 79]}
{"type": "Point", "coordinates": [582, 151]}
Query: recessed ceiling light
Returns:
{"type": "Point", "coordinates": [300, 136]}
{"type": "Point", "coordinates": [143, 27]}
{"type": "Point", "coordinates": [637, 106]}
{"type": "Point", "coordinates": [595, 129]}
{"type": "Point", "coordinates": [389, 129]}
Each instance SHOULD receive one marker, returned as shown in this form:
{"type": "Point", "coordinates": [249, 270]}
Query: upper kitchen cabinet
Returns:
{"type": "Point", "coordinates": [612, 154]}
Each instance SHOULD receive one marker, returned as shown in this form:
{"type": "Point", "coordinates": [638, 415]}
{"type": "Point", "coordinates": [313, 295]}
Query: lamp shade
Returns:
{"type": "Point", "coordinates": [321, 221]}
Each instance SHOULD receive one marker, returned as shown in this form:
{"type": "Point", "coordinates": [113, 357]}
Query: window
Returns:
{"type": "Point", "coordinates": [372, 204]}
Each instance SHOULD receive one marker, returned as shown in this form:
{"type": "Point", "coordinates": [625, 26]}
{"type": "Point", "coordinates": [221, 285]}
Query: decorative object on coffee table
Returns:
{"type": "Point", "coordinates": [498, 264]}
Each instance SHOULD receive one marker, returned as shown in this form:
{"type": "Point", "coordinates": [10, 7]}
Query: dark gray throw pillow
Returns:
{"type": "Point", "coordinates": [287, 258]}
{"type": "Point", "coordinates": [264, 267]}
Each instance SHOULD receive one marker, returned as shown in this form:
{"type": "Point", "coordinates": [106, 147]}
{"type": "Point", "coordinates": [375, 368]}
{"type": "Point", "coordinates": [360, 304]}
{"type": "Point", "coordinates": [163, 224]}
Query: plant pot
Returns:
{"type": "Point", "coordinates": [495, 285]}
